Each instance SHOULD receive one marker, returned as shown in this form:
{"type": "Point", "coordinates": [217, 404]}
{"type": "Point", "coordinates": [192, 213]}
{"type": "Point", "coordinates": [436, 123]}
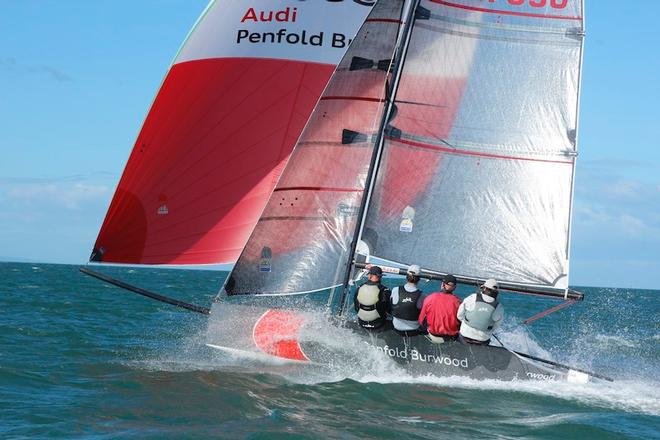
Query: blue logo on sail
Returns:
{"type": "Point", "coordinates": [264, 262]}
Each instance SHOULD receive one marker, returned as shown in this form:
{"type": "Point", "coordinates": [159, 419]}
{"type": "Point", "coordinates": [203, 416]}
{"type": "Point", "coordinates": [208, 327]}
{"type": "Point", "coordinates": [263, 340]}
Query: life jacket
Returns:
{"type": "Point", "coordinates": [367, 297]}
{"type": "Point", "coordinates": [406, 308]}
{"type": "Point", "coordinates": [481, 316]}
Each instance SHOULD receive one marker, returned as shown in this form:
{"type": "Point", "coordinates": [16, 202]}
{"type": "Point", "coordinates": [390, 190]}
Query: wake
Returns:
{"type": "Point", "coordinates": [348, 357]}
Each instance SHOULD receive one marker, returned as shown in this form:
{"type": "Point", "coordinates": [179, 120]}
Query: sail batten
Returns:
{"type": "Point", "coordinates": [441, 146]}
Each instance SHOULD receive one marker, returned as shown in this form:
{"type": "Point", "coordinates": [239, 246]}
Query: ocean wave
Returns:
{"type": "Point", "coordinates": [634, 396]}
{"type": "Point", "coordinates": [630, 396]}
{"type": "Point", "coordinates": [412, 419]}
{"type": "Point", "coordinates": [349, 358]}
{"type": "Point", "coordinates": [544, 421]}
{"type": "Point", "coordinates": [610, 340]}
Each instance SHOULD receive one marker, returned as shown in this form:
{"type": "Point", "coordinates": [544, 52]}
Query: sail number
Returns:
{"type": "Point", "coordinates": [555, 4]}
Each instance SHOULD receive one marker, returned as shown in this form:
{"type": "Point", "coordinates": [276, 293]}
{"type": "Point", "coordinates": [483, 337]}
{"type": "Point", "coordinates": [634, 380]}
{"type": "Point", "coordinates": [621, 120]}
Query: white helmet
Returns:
{"type": "Point", "coordinates": [490, 283]}
{"type": "Point", "coordinates": [414, 269]}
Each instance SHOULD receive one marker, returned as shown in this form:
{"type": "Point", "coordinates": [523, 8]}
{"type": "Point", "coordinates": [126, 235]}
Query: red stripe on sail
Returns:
{"type": "Point", "coordinates": [504, 12]}
{"type": "Point", "coordinates": [207, 158]}
{"type": "Point", "coordinates": [474, 153]}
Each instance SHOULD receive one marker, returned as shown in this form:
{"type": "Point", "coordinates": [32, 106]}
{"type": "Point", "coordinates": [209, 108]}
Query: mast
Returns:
{"type": "Point", "coordinates": [377, 153]}
{"type": "Point", "coordinates": [577, 119]}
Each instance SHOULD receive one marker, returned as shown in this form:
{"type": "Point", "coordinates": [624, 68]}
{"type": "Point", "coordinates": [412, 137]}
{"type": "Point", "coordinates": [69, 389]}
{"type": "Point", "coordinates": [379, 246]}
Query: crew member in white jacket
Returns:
{"type": "Point", "coordinates": [480, 315]}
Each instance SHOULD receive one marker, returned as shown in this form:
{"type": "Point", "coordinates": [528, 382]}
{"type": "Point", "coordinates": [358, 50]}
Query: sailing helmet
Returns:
{"type": "Point", "coordinates": [490, 283]}
{"type": "Point", "coordinates": [414, 269]}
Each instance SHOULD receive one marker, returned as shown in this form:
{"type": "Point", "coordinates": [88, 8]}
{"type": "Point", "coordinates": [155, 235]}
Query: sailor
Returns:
{"type": "Point", "coordinates": [372, 300]}
{"type": "Point", "coordinates": [406, 303]}
{"type": "Point", "coordinates": [438, 315]}
{"type": "Point", "coordinates": [480, 314]}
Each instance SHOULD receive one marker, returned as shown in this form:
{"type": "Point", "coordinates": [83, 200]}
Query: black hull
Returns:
{"type": "Point", "coordinates": [419, 356]}
{"type": "Point", "coordinates": [295, 336]}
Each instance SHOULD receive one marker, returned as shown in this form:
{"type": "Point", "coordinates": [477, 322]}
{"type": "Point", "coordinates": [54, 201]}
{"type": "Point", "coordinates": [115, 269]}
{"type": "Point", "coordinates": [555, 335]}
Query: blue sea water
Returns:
{"type": "Point", "coordinates": [82, 359]}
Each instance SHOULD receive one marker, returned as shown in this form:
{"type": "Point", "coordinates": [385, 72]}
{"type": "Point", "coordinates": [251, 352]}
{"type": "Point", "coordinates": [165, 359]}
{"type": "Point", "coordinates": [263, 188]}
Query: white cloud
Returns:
{"type": "Point", "coordinates": [12, 66]}
{"type": "Point", "coordinates": [633, 226]}
{"type": "Point", "coordinates": [619, 192]}
{"type": "Point", "coordinates": [603, 222]}
{"type": "Point", "coordinates": [627, 190]}
{"type": "Point", "coordinates": [629, 204]}
{"type": "Point", "coordinates": [610, 164]}
{"type": "Point", "coordinates": [589, 215]}
{"type": "Point", "coordinates": [70, 196]}
{"type": "Point", "coordinates": [94, 176]}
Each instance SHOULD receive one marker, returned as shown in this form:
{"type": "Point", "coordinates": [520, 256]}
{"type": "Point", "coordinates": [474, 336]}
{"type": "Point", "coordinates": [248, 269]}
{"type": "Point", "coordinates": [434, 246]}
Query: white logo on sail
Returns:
{"type": "Point", "coordinates": [407, 217]}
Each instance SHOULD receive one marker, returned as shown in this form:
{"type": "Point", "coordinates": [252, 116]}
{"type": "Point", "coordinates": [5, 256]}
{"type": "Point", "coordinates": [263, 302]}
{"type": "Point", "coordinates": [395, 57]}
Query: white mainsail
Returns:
{"type": "Point", "coordinates": [497, 163]}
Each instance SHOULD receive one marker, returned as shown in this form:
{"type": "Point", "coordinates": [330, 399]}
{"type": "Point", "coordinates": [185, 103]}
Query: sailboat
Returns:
{"type": "Point", "coordinates": [446, 136]}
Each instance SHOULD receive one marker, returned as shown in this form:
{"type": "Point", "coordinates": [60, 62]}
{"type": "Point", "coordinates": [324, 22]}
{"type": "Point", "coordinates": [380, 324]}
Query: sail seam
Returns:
{"type": "Point", "coordinates": [473, 153]}
{"type": "Point", "coordinates": [494, 26]}
{"type": "Point", "coordinates": [352, 98]}
{"type": "Point", "coordinates": [301, 218]}
{"type": "Point", "coordinates": [481, 36]}
{"type": "Point", "coordinates": [383, 20]}
{"type": "Point", "coordinates": [316, 188]}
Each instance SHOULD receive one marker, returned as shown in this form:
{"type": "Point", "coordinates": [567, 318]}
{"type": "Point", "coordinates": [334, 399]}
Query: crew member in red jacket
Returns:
{"type": "Point", "coordinates": [438, 315]}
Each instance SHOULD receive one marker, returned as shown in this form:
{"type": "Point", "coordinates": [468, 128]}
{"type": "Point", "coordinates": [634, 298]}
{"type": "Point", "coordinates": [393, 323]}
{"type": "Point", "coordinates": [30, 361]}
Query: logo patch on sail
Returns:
{"type": "Point", "coordinates": [264, 265]}
{"type": "Point", "coordinates": [345, 210]}
{"type": "Point", "coordinates": [264, 262]}
{"type": "Point", "coordinates": [407, 217]}
{"type": "Point", "coordinates": [162, 209]}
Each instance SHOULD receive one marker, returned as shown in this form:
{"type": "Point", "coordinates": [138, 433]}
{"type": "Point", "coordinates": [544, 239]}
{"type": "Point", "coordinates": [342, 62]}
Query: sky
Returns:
{"type": "Point", "coordinates": [77, 79]}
